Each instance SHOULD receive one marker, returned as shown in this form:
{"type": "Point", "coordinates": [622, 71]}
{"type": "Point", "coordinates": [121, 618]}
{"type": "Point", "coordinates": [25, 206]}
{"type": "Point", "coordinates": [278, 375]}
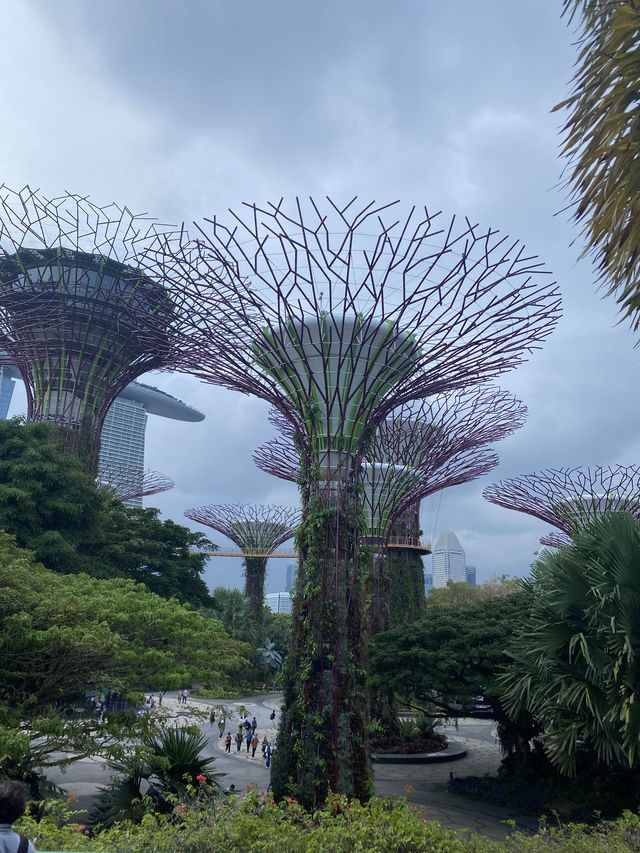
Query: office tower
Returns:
{"type": "Point", "coordinates": [448, 561]}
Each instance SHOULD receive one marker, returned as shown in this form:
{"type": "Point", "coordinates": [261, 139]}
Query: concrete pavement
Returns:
{"type": "Point", "coordinates": [424, 785]}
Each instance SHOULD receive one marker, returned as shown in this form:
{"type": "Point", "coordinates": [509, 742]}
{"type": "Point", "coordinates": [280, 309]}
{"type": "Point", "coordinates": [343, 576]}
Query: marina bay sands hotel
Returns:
{"type": "Point", "coordinates": [123, 433]}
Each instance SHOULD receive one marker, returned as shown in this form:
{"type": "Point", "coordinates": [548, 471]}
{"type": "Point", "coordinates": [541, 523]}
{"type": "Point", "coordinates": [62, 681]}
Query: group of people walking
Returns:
{"type": "Point", "coordinates": [246, 735]}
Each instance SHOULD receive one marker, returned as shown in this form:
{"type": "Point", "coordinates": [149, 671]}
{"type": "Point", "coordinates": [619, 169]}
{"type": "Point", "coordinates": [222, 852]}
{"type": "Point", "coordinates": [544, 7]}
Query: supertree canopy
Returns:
{"type": "Point", "coordinates": [257, 531]}
{"type": "Point", "coordinates": [83, 308]}
{"type": "Point", "coordinates": [337, 315]}
{"type": "Point", "coordinates": [569, 498]}
{"type": "Point", "coordinates": [127, 482]}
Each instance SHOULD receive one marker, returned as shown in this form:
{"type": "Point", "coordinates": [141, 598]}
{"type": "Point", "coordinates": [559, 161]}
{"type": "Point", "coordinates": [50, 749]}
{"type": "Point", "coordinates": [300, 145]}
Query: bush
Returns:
{"type": "Point", "coordinates": [260, 825]}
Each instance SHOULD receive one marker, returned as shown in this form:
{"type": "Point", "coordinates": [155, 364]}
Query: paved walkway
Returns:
{"type": "Point", "coordinates": [424, 785]}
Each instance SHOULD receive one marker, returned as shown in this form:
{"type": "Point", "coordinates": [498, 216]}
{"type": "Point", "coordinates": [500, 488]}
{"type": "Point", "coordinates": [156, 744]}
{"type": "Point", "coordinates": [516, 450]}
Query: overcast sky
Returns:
{"type": "Point", "coordinates": [183, 110]}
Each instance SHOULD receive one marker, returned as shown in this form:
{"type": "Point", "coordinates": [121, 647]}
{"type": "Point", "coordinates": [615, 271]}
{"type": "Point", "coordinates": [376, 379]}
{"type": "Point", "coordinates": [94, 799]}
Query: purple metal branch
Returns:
{"type": "Point", "coordinates": [569, 498]}
{"type": "Point", "coordinates": [252, 528]}
{"type": "Point", "coordinates": [429, 306]}
{"type": "Point", "coordinates": [126, 483]}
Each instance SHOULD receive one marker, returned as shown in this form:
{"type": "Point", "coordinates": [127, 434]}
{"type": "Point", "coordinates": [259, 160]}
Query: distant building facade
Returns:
{"type": "Point", "coordinates": [471, 575]}
{"type": "Point", "coordinates": [448, 561]}
{"type": "Point", "coordinates": [428, 582]}
{"type": "Point", "coordinates": [278, 602]}
{"type": "Point", "coordinates": [291, 570]}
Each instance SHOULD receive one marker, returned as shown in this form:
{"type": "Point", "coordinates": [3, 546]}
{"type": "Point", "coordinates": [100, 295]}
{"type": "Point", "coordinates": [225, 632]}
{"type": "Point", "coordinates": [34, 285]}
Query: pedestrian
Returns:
{"type": "Point", "coordinates": [248, 738]}
{"type": "Point", "coordinates": [272, 715]}
{"type": "Point", "coordinates": [264, 744]}
{"type": "Point", "coordinates": [227, 742]}
{"type": "Point", "coordinates": [179, 697]}
{"type": "Point", "coordinates": [239, 740]}
{"type": "Point", "coordinates": [254, 745]}
{"type": "Point", "coordinates": [212, 717]}
{"type": "Point", "coordinates": [254, 724]}
{"type": "Point", "coordinates": [267, 756]}
{"type": "Point", "coordinates": [13, 802]}
{"type": "Point", "coordinates": [160, 695]}
{"type": "Point", "coordinates": [221, 724]}
{"type": "Point", "coordinates": [185, 693]}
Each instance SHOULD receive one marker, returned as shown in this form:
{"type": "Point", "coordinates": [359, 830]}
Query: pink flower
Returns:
{"type": "Point", "coordinates": [181, 809]}
{"type": "Point", "coordinates": [201, 778]}
{"type": "Point", "coordinates": [86, 832]}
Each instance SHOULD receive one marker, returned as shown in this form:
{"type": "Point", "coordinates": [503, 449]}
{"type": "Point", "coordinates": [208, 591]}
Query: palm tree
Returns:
{"type": "Point", "coordinates": [174, 769]}
{"type": "Point", "coordinates": [233, 609]}
{"type": "Point", "coordinates": [602, 136]}
{"type": "Point", "coordinates": [577, 662]}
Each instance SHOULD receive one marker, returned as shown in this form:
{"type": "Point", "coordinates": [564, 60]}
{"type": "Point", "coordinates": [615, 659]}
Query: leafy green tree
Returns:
{"type": "Point", "coordinates": [60, 635]}
{"type": "Point", "coordinates": [47, 500]}
{"type": "Point", "coordinates": [450, 657]}
{"type": "Point", "coordinates": [136, 544]}
{"type": "Point", "coordinates": [277, 626]}
{"type": "Point", "coordinates": [53, 508]}
{"type": "Point", "coordinates": [576, 663]}
{"type": "Point", "coordinates": [602, 135]}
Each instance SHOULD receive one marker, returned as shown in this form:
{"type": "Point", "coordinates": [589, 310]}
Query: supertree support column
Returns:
{"type": "Point", "coordinates": [406, 568]}
{"type": "Point", "coordinates": [257, 531]}
{"type": "Point", "coordinates": [569, 498]}
{"type": "Point", "coordinates": [336, 315]}
{"type": "Point", "coordinates": [126, 482]}
{"type": "Point", "coordinates": [84, 309]}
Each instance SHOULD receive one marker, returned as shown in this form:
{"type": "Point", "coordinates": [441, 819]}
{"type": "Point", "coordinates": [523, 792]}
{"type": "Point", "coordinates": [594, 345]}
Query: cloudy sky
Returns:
{"type": "Point", "coordinates": [182, 110]}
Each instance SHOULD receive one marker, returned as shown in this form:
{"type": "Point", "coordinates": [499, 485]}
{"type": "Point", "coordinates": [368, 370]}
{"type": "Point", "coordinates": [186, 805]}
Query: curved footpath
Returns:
{"type": "Point", "coordinates": [424, 785]}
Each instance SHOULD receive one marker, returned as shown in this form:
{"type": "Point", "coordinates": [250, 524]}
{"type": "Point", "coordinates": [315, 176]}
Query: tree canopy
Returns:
{"type": "Point", "coordinates": [53, 508]}
{"type": "Point", "coordinates": [452, 655]}
{"type": "Point", "coordinates": [62, 635]}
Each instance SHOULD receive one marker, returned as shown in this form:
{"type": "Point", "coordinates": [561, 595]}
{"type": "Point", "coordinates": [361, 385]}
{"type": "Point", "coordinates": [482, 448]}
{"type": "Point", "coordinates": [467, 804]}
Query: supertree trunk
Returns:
{"type": "Point", "coordinates": [326, 711]}
{"type": "Point", "coordinates": [254, 573]}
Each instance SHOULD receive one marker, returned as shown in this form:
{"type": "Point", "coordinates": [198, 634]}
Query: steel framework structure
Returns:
{"type": "Point", "coordinates": [336, 315]}
{"type": "Point", "coordinates": [569, 498]}
{"type": "Point", "coordinates": [126, 482]}
{"type": "Point", "coordinates": [84, 309]}
{"type": "Point", "coordinates": [420, 449]}
{"type": "Point", "coordinates": [259, 529]}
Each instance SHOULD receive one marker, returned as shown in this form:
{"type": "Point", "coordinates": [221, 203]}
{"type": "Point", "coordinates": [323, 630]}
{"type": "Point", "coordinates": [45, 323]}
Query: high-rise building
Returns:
{"type": "Point", "coordinates": [124, 427]}
{"type": "Point", "coordinates": [471, 575]}
{"type": "Point", "coordinates": [448, 561]}
{"type": "Point", "coordinates": [278, 602]}
{"type": "Point", "coordinates": [291, 570]}
{"type": "Point", "coordinates": [8, 376]}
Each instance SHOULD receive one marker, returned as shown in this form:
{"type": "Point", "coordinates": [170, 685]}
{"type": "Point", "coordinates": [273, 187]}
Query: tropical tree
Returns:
{"type": "Point", "coordinates": [268, 656]}
{"type": "Point", "coordinates": [576, 663]}
{"type": "Point", "coordinates": [233, 609]}
{"type": "Point", "coordinates": [602, 138]}
{"type": "Point", "coordinates": [170, 770]}
{"type": "Point", "coordinates": [61, 635]}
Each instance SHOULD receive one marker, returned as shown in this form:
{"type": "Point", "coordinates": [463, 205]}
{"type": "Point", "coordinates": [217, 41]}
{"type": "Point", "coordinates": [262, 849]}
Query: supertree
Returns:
{"type": "Point", "coordinates": [337, 315]}
{"type": "Point", "coordinates": [126, 482]}
{"type": "Point", "coordinates": [421, 448]}
{"type": "Point", "coordinates": [569, 498]}
{"type": "Point", "coordinates": [84, 309]}
{"type": "Point", "coordinates": [257, 531]}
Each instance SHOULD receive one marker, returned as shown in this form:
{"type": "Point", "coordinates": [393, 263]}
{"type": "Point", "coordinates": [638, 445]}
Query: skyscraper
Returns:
{"type": "Point", "coordinates": [448, 560]}
{"type": "Point", "coordinates": [123, 433]}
